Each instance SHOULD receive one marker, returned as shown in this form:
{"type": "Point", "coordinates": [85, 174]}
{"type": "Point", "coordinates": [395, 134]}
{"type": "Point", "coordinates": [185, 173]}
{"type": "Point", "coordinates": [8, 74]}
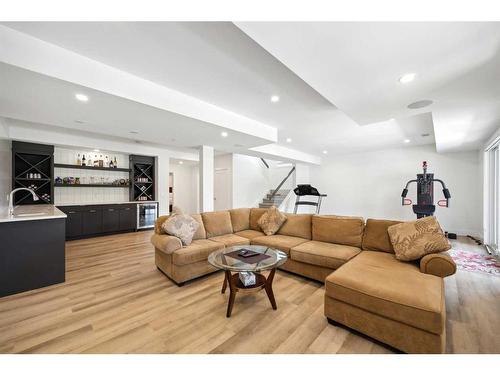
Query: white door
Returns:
{"type": "Point", "coordinates": [222, 189]}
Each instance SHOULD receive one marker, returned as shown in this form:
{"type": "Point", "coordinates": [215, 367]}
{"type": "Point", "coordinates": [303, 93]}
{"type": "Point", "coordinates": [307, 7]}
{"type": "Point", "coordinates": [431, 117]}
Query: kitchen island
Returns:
{"type": "Point", "coordinates": [32, 248]}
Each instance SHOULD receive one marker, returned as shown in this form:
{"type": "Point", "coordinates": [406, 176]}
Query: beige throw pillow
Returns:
{"type": "Point", "coordinates": [271, 221]}
{"type": "Point", "coordinates": [414, 239]}
{"type": "Point", "coordinates": [181, 226]}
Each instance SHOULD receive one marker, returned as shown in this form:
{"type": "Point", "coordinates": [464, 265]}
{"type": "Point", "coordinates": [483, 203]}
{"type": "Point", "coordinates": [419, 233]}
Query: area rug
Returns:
{"type": "Point", "coordinates": [474, 262]}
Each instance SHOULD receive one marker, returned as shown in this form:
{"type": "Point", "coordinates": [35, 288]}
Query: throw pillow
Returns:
{"type": "Point", "coordinates": [414, 239]}
{"type": "Point", "coordinates": [271, 221]}
{"type": "Point", "coordinates": [181, 226]}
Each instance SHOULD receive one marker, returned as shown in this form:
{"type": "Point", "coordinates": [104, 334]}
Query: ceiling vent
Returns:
{"type": "Point", "coordinates": [420, 104]}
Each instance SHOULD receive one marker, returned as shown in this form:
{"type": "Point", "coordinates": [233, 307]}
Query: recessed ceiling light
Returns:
{"type": "Point", "coordinates": [224, 134]}
{"type": "Point", "coordinates": [82, 97]}
{"type": "Point", "coordinates": [96, 150]}
{"type": "Point", "coordinates": [420, 104]}
{"type": "Point", "coordinates": [325, 152]}
{"type": "Point", "coordinates": [289, 140]}
{"type": "Point", "coordinates": [181, 162]}
{"type": "Point", "coordinates": [406, 141]}
{"type": "Point", "coordinates": [80, 122]}
{"type": "Point", "coordinates": [407, 78]}
{"type": "Point", "coordinates": [134, 132]}
{"type": "Point", "coordinates": [275, 98]}
{"type": "Point", "coordinates": [425, 134]}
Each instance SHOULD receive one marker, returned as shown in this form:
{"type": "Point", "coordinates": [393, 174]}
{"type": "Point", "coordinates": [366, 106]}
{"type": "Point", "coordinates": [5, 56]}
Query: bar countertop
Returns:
{"type": "Point", "coordinates": [31, 212]}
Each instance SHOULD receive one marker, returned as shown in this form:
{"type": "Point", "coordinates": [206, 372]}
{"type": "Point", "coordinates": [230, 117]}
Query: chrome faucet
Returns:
{"type": "Point", "coordinates": [11, 199]}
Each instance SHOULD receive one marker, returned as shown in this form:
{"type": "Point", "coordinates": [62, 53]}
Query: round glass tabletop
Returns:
{"type": "Point", "coordinates": [230, 258]}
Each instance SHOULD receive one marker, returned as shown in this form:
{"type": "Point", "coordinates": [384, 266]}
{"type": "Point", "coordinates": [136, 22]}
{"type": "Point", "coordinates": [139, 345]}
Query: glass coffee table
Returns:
{"type": "Point", "coordinates": [232, 262]}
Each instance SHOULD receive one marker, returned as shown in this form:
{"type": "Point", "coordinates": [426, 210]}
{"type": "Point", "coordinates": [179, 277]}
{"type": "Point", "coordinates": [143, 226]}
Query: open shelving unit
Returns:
{"type": "Point", "coordinates": [92, 185]}
{"type": "Point", "coordinates": [71, 166]}
{"type": "Point", "coordinates": [142, 177]}
{"type": "Point", "coordinates": [31, 158]}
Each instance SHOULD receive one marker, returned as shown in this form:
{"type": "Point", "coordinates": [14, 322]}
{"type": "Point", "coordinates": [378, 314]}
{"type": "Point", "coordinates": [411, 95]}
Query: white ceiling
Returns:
{"type": "Point", "coordinates": [37, 98]}
{"type": "Point", "coordinates": [357, 67]}
{"type": "Point", "coordinates": [321, 71]}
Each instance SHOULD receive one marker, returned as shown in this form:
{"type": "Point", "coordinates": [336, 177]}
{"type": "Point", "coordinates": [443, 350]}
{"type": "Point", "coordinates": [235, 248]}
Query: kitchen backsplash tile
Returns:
{"type": "Point", "coordinates": [83, 195]}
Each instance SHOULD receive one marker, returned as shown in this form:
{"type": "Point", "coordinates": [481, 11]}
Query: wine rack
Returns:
{"type": "Point", "coordinates": [142, 177]}
{"type": "Point", "coordinates": [33, 168]}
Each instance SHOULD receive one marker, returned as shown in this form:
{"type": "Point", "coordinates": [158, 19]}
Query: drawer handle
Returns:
{"type": "Point", "coordinates": [72, 212]}
{"type": "Point", "coordinates": [111, 209]}
{"type": "Point", "coordinates": [92, 211]}
{"type": "Point", "coordinates": [127, 209]}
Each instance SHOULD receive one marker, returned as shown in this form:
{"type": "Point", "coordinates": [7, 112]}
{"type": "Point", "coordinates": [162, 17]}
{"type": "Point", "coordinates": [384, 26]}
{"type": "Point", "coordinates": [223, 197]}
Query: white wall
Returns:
{"type": "Point", "coordinates": [185, 187]}
{"type": "Point", "coordinates": [250, 181]}
{"type": "Point", "coordinates": [370, 184]}
{"type": "Point", "coordinates": [5, 170]}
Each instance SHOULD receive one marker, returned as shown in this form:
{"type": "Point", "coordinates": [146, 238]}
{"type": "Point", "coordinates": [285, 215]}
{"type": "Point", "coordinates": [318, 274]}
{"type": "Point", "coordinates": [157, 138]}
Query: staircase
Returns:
{"type": "Point", "coordinates": [276, 200]}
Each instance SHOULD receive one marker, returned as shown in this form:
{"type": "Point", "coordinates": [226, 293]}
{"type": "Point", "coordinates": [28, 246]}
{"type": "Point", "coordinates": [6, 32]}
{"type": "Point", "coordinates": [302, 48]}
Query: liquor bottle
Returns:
{"type": "Point", "coordinates": [111, 165]}
{"type": "Point", "coordinates": [89, 163]}
{"type": "Point", "coordinates": [106, 162]}
{"type": "Point", "coordinates": [115, 164]}
{"type": "Point", "coordinates": [96, 161]}
{"type": "Point", "coordinates": [78, 160]}
{"type": "Point", "coordinates": [101, 161]}
{"type": "Point", "coordinates": [83, 161]}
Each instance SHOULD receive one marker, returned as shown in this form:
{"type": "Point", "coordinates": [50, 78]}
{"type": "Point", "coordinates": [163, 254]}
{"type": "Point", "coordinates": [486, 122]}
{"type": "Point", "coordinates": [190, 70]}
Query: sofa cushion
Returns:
{"type": "Point", "coordinates": [231, 240]}
{"type": "Point", "coordinates": [278, 241]}
{"type": "Point", "coordinates": [199, 250]}
{"type": "Point", "coordinates": [240, 219]}
{"type": "Point", "coordinates": [255, 214]}
{"type": "Point", "coordinates": [217, 223]}
{"type": "Point", "coordinates": [341, 230]}
{"type": "Point", "coordinates": [249, 233]}
{"type": "Point", "coordinates": [414, 239]}
{"type": "Point", "coordinates": [181, 226]}
{"type": "Point", "coordinates": [323, 254]}
{"type": "Point", "coordinates": [379, 283]}
{"type": "Point", "coordinates": [271, 221]}
{"type": "Point", "coordinates": [376, 237]}
{"type": "Point", "coordinates": [200, 234]}
{"type": "Point", "coordinates": [297, 225]}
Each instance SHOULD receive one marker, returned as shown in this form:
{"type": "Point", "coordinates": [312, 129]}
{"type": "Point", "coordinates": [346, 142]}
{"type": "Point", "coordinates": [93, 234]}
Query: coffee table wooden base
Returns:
{"type": "Point", "coordinates": [235, 286]}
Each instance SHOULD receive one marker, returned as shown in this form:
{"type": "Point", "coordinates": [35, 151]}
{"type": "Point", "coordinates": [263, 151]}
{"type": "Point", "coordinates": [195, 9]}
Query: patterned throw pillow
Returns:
{"type": "Point", "coordinates": [414, 239]}
{"type": "Point", "coordinates": [271, 221]}
{"type": "Point", "coordinates": [181, 226]}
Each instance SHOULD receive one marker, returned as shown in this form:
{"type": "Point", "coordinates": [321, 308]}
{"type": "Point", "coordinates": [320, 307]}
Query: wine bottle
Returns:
{"type": "Point", "coordinates": [96, 161]}
{"type": "Point", "coordinates": [106, 162]}
{"type": "Point", "coordinates": [111, 164]}
{"type": "Point", "coordinates": [115, 164]}
{"type": "Point", "coordinates": [83, 161]}
{"type": "Point", "coordinates": [101, 161]}
{"type": "Point", "coordinates": [78, 160]}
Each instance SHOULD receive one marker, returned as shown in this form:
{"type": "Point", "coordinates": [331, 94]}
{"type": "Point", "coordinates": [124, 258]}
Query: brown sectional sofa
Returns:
{"type": "Point", "coordinates": [366, 288]}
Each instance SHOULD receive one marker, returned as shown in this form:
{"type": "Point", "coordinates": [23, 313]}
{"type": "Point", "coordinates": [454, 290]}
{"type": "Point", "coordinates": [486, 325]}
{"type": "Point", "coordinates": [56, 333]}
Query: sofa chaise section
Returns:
{"type": "Point", "coordinates": [389, 300]}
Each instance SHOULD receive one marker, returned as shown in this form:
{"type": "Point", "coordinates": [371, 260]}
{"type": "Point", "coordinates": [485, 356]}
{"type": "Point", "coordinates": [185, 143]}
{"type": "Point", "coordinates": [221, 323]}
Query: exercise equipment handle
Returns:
{"type": "Point", "coordinates": [443, 203]}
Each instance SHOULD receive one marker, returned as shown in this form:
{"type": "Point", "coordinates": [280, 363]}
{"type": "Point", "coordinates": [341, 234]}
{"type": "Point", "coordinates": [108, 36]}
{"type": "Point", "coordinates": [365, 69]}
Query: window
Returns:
{"type": "Point", "coordinates": [492, 168]}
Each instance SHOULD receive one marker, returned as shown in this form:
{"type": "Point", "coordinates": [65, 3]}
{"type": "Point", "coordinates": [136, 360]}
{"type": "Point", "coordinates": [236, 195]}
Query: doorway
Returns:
{"type": "Point", "coordinates": [222, 189]}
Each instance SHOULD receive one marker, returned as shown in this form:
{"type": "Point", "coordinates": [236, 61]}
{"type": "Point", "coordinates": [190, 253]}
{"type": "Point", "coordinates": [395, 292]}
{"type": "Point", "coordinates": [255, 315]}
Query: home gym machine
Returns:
{"type": "Point", "coordinates": [425, 195]}
{"type": "Point", "coordinates": [303, 190]}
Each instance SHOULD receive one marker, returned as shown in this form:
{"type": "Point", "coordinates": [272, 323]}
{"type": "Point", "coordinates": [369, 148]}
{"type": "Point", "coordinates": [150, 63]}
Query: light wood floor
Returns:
{"type": "Point", "coordinates": [116, 301]}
